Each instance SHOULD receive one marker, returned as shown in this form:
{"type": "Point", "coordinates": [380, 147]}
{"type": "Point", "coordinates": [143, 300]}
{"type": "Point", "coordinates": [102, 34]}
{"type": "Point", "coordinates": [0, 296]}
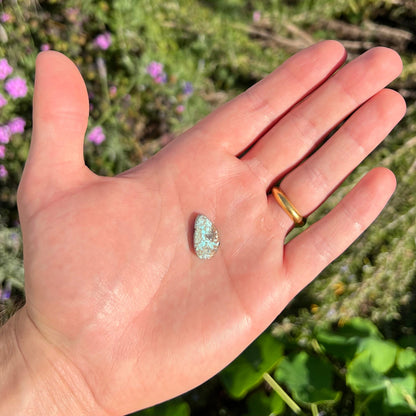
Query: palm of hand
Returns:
{"type": "Point", "coordinates": [112, 279]}
{"type": "Point", "coordinates": [114, 270]}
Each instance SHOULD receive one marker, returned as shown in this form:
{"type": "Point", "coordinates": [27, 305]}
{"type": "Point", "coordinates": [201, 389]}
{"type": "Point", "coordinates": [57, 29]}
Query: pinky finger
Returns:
{"type": "Point", "coordinates": [311, 251]}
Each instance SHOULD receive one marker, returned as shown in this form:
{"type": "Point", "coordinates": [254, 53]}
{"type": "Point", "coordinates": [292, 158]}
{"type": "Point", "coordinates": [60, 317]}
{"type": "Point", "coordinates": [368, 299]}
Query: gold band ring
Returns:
{"type": "Point", "coordinates": [288, 207]}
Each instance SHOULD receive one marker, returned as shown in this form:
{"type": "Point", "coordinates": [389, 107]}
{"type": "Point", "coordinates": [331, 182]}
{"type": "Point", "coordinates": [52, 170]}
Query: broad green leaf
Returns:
{"type": "Point", "coordinates": [360, 327]}
{"type": "Point", "coordinates": [308, 378]}
{"type": "Point", "coordinates": [343, 342]}
{"type": "Point", "coordinates": [406, 359]}
{"type": "Point", "coordinates": [258, 403]}
{"type": "Point", "coordinates": [247, 370]}
{"type": "Point", "coordinates": [175, 407]}
{"type": "Point", "coordinates": [400, 394]}
{"type": "Point", "coordinates": [261, 404]}
{"type": "Point", "coordinates": [362, 377]}
{"type": "Point", "coordinates": [337, 345]}
{"type": "Point", "coordinates": [277, 405]}
{"type": "Point", "coordinates": [382, 353]}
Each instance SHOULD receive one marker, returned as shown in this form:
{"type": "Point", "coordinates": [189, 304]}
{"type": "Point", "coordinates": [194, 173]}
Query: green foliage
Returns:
{"type": "Point", "coordinates": [246, 372]}
{"type": "Point", "coordinates": [309, 378]}
{"type": "Point", "coordinates": [406, 359]}
{"type": "Point", "coordinates": [11, 266]}
{"type": "Point", "coordinates": [345, 342]}
{"type": "Point", "coordinates": [382, 354]}
{"type": "Point", "coordinates": [260, 403]}
{"type": "Point", "coordinates": [395, 392]}
{"type": "Point", "coordinates": [379, 373]}
{"type": "Point", "coordinates": [362, 377]}
{"type": "Point", "coordinates": [11, 271]}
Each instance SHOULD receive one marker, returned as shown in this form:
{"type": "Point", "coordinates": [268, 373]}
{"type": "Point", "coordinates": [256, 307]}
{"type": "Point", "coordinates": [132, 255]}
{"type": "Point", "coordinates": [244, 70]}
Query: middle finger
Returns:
{"type": "Point", "coordinates": [299, 132]}
{"type": "Point", "coordinates": [315, 179]}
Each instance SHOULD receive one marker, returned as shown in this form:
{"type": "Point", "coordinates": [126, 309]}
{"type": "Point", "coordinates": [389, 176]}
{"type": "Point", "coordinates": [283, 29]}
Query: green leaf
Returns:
{"type": "Point", "coordinates": [360, 327]}
{"type": "Point", "coordinates": [247, 370]}
{"type": "Point", "coordinates": [362, 377]}
{"type": "Point", "coordinates": [261, 404]}
{"type": "Point", "coordinates": [175, 407]}
{"type": "Point", "coordinates": [277, 405]}
{"type": "Point", "coordinates": [343, 343]}
{"type": "Point", "coordinates": [406, 359]}
{"type": "Point", "coordinates": [308, 378]}
{"type": "Point", "coordinates": [258, 404]}
{"type": "Point", "coordinates": [400, 394]}
{"type": "Point", "coordinates": [382, 353]}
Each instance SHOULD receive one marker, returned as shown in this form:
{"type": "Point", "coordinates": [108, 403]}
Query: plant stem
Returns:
{"type": "Point", "coordinates": [284, 396]}
{"type": "Point", "coordinates": [314, 409]}
{"type": "Point", "coordinates": [361, 405]}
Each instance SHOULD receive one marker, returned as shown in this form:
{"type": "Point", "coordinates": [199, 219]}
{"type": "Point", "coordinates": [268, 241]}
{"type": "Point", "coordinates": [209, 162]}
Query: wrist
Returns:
{"type": "Point", "coordinates": [36, 378]}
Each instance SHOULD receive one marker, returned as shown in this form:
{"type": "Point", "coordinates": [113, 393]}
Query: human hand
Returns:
{"type": "Point", "coordinates": [117, 301]}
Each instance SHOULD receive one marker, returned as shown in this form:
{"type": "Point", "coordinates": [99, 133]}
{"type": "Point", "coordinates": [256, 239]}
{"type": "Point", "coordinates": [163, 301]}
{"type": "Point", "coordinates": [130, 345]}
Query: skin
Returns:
{"type": "Point", "coordinates": [121, 314]}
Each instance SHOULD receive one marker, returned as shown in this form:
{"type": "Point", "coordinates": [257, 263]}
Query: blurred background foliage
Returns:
{"type": "Point", "coordinates": [346, 344]}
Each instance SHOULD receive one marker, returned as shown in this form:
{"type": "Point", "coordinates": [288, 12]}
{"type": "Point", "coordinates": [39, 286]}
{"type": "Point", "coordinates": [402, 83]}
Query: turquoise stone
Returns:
{"type": "Point", "coordinates": [206, 240]}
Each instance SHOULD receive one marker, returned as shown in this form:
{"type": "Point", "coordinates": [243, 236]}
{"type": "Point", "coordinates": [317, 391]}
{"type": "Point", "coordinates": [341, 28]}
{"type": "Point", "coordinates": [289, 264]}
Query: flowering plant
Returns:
{"type": "Point", "coordinates": [14, 88]}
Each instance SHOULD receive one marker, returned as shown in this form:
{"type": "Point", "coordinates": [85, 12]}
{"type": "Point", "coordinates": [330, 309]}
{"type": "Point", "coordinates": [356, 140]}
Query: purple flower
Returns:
{"type": "Point", "coordinates": [96, 135]}
{"type": "Point", "coordinates": [103, 41]}
{"type": "Point", "coordinates": [160, 79]}
{"type": "Point", "coordinates": [112, 91]}
{"type": "Point", "coordinates": [2, 151]}
{"type": "Point", "coordinates": [188, 88]}
{"type": "Point", "coordinates": [155, 69]}
{"type": "Point", "coordinates": [5, 134]}
{"type": "Point", "coordinates": [5, 68]}
{"type": "Point", "coordinates": [45, 47]}
{"type": "Point", "coordinates": [256, 16]}
{"type": "Point", "coordinates": [16, 87]}
{"type": "Point", "coordinates": [17, 125]}
{"type": "Point", "coordinates": [3, 101]}
{"type": "Point", "coordinates": [3, 171]}
{"type": "Point", "coordinates": [5, 17]}
{"type": "Point", "coordinates": [7, 291]}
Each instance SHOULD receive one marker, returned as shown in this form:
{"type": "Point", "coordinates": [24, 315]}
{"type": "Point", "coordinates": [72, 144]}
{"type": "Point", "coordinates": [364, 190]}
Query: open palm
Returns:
{"type": "Point", "coordinates": [113, 285]}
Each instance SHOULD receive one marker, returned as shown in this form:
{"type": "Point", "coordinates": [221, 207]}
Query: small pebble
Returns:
{"type": "Point", "coordinates": [206, 240]}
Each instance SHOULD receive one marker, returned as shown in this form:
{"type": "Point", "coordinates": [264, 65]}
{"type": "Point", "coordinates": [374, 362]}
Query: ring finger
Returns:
{"type": "Point", "coordinates": [305, 125]}
{"type": "Point", "coordinates": [314, 180]}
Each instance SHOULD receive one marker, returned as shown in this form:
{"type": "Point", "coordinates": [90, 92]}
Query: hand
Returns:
{"type": "Point", "coordinates": [117, 301]}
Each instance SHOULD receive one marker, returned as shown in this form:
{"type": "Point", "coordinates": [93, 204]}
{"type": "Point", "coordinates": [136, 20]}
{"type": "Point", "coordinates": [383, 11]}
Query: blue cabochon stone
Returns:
{"type": "Point", "coordinates": [206, 240]}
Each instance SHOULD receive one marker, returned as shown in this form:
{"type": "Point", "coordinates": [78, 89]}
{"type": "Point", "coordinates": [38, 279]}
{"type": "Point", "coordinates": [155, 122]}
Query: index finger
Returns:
{"type": "Point", "coordinates": [239, 123]}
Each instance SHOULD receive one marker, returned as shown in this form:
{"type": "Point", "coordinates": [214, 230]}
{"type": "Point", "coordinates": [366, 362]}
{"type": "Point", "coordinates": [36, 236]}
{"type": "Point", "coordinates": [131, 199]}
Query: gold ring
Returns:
{"type": "Point", "coordinates": [288, 207]}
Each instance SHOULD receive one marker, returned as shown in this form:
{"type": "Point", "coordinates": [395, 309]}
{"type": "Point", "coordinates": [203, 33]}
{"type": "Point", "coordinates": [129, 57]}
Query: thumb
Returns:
{"type": "Point", "coordinates": [60, 117]}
